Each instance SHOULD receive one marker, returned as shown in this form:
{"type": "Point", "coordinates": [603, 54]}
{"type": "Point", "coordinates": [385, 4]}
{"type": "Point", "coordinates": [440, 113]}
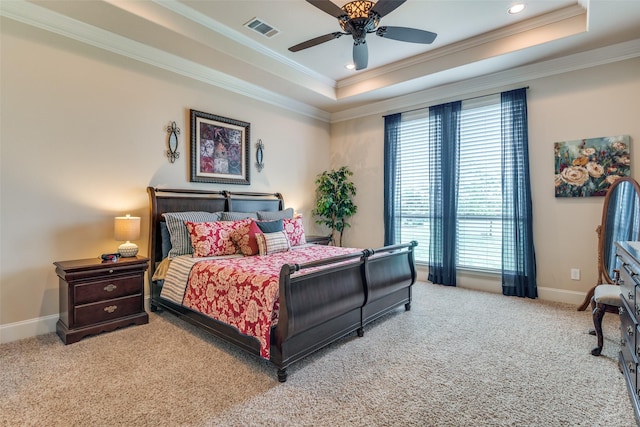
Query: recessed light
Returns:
{"type": "Point", "coordinates": [516, 8]}
{"type": "Point", "coordinates": [350, 66]}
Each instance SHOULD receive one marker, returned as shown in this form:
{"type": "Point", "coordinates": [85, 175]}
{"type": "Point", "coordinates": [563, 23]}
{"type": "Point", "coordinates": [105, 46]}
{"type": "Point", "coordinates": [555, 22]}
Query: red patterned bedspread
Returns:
{"type": "Point", "coordinates": [243, 292]}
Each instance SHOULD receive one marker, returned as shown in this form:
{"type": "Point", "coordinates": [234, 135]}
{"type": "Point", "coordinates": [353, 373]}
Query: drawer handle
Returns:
{"type": "Point", "coordinates": [631, 368]}
{"type": "Point", "coordinates": [111, 308]}
{"type": "Point", "coordinates": [110, 287]}
{"type": "Point", "coordinates": [630, 296]}
{"type": "Point", "coordinates": [630, 331]}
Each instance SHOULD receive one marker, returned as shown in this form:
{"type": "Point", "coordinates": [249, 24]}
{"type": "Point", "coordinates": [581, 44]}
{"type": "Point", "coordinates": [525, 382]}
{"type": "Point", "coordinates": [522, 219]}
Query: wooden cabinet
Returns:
{"type": "Point", "coordinates": [98, 296]}
{"type": "Point", "coordinates": [629, 256]}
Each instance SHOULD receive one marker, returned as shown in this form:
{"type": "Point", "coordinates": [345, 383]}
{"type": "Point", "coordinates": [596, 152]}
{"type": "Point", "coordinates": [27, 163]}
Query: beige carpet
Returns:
{"type": "Point", "coordinates": [458, 358]}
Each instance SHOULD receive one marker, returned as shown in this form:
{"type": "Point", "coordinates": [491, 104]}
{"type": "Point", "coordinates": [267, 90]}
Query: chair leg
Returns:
{"type": "Point", "coordinates": [598, 314]}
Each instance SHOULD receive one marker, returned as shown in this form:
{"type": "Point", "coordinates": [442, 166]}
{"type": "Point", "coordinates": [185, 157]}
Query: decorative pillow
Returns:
{"type": "Point", "coordinates": [270, 243]}
{"type": "Point", "coordinates": [236, 216]}
{"type": "Point", "coordinates": [270, 226]}
{"type": "Point", "coordinates": [274, 215]}
{"type": "Point", "coordinates": [245, 238]}
{"type": "Point", "coordinates": [213, 238]}
{"type": "Point", "coordinates": [178, 233]}
{"type": "Point", "coordinates": [294, 228]}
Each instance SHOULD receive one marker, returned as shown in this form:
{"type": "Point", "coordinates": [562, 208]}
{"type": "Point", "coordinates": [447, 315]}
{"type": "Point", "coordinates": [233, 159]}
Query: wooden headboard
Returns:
{"type": "Point", "coordinates": [181, 200]}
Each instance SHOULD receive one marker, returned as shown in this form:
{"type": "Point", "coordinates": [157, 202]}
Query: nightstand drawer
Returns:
{"type": "Point", "coordinates": [106, 289]}
{"type": "Point", "coordinates": [107, 310]}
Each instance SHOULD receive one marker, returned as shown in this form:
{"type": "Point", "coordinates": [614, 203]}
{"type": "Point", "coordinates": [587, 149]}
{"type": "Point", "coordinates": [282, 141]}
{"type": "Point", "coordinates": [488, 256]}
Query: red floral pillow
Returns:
{"type": "Point", "coordinates": [245, 238]}
{"type": "Point", "coordinates": [214, 238]}
{"type": "Point", "coordinates": [294, 229]}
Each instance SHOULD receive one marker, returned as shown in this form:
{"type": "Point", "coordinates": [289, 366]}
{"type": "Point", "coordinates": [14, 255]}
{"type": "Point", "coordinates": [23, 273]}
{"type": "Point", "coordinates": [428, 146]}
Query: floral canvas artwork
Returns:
{"type": "Point", "coordinates": [588, 167]}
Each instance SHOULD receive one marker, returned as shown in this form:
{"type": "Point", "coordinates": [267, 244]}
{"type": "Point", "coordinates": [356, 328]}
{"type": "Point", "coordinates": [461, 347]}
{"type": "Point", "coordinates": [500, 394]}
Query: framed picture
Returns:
{"type": "Point", "coordinates": [588, 167]}
{"type": "Point", "coordinates": [219, 149]}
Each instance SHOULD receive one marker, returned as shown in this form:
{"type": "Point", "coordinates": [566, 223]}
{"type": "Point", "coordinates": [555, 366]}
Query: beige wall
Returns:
{"type": "Point", "coordinates": [600, 101]}
{"type": "Point", "coordinates": [83, 135]}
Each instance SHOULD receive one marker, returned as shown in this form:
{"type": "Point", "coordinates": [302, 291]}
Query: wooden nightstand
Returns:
{"type": "Point", "coordinates": [98, 296]}
{"type": "Point", "coordinates": [318, 240]}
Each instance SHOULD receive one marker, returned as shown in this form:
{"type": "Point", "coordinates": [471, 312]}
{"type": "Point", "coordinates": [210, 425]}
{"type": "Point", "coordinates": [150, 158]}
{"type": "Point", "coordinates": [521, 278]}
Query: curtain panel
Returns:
{"type": "Point", "coordinates": [392, 185]}
{"type": "Point", "coordinates": [518, 254]}
{"type": "Point", "coordinates": [444, 148]}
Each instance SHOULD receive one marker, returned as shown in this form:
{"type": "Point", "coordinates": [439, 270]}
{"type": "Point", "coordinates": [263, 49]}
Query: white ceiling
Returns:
{"type": "Point", "coordinates": [207, 40]}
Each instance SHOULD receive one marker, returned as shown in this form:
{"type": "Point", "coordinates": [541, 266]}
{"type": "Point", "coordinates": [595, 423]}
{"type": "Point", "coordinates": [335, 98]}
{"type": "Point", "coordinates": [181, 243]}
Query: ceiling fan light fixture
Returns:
{"type": "Point", "coordinates": [516, 8]}
{"type": "Point", "coordinates": [358, 9]}
{"type": "Point", "coordinates": [359, 18]}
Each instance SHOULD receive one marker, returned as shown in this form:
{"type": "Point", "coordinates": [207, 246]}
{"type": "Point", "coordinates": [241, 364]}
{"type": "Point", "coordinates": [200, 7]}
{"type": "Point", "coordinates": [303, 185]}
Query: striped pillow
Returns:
{"type": "Point", "coordinates": [236, 216]}
{"type": "Point", "coordinates": [178, 233]}
{"type": "Point", "coordinates": [270, 243]}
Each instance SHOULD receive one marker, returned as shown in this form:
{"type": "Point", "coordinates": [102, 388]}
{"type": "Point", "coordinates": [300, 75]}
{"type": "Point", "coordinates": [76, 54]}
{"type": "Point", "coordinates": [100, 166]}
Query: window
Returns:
{"type": "Point", "coordinates": [479, 194]}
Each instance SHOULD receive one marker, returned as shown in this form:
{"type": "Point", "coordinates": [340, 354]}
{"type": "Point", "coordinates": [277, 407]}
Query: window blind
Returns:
{"type": "Point", "coordinates": [479, 193]}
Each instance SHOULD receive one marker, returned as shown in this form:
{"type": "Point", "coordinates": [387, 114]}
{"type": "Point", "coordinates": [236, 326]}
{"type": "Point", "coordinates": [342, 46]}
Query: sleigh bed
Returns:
{"type": "Point", "coordinates": [318, 294]}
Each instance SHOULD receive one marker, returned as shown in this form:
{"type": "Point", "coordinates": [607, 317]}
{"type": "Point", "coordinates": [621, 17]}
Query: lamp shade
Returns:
{"type": "Point", "coordinates": [127, 228]}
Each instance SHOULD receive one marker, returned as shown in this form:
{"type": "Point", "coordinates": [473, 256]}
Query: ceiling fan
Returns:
{"type": "Point", "coordinates": [359, 18]}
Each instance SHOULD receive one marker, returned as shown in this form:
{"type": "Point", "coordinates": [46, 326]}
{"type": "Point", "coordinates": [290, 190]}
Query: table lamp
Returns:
{"type": "Point", "coordinates": [127, 228]}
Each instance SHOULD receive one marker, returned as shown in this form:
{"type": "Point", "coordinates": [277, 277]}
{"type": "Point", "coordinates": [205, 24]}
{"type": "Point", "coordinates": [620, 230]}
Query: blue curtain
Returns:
{"type": "Point", "coordinates": [444, 142]}
{"type": "Point", "coordinates": [391, 186]}
{"type": "Point", "coordinates": [518, 255]}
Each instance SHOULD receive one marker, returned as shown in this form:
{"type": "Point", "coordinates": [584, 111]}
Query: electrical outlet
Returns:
{"type": "Point", "coordinates": [575, 274]}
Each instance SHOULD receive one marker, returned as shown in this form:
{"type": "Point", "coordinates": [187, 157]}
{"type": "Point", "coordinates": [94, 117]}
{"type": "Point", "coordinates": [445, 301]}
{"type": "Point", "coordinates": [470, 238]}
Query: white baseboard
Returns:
{"type": "Point", "coordinates": [489, 283]}
{"type": "Point", "coordinates": [28, 328]}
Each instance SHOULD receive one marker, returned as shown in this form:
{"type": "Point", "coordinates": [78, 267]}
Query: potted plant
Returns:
{"type": "Point", "coordinates": [334, 204]}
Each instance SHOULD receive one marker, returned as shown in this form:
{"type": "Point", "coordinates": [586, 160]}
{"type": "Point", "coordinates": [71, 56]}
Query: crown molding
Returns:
{"type": "Point", "coordinates": [495, 81]}
{"type": "Point", "coordinates": [39, 17]}
{"type": "Point", "coordinates": [213, 25]}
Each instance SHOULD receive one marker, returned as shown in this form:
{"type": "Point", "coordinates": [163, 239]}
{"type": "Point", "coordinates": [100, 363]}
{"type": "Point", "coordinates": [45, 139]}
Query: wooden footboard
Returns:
{"type": "Point", "coordinates": [346, 293]}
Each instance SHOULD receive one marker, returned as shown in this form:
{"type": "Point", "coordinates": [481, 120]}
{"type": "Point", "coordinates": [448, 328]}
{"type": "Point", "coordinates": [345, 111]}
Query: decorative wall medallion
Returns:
{"type": "Point", "coordinates": [172, 152]}
{"type": "Point", "coordinates": [259, 155]}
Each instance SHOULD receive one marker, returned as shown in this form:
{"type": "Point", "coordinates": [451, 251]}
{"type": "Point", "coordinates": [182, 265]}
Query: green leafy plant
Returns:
{"type": "Point", "coordinates": [334, 203]}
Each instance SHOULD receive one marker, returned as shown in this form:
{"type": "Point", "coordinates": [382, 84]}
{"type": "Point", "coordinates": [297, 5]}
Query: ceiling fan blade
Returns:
{"type": "Point", "coordinates": [315, 41]}
{"type": "Point", "coordinates": [328, 7]}
{"type": "Point", "coordinates": [384, 7]}
{"type": "Point", "coordinates": [403, 34]}
{"type": "Point", "coordinates": [360, 55]}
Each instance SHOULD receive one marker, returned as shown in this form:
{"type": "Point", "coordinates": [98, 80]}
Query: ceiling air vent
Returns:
{"type": "Point", "coordinates": [259, 26]}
